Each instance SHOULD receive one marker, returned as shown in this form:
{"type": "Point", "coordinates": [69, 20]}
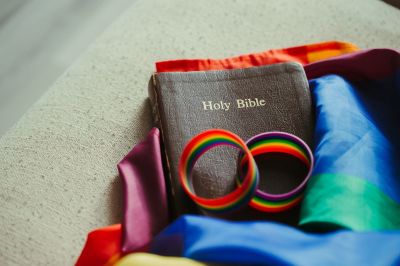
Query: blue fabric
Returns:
{"type": "Point", "coordinates": [356, 178]}
{"type": "Point", "coordinates": [357, 130]}
{"type": "Point", "coordinates": [265, 243]}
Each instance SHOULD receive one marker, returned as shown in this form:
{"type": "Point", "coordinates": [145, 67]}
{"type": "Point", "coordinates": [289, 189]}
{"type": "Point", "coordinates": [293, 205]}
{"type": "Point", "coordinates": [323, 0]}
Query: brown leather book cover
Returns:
{"type": "Point", "coordinates": [245, 101]}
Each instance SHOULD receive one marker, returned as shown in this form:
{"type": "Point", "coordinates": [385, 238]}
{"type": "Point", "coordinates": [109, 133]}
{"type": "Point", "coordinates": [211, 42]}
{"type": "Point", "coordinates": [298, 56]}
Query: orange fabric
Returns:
{"type": "Point", "coordinates": [302, 54]}
{"type": "Point", "coordinates": [102, 247]}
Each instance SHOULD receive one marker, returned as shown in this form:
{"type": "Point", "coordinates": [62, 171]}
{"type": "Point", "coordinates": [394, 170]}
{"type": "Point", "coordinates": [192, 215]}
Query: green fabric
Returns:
{"type": "Point", "coordinates": [335, 201]}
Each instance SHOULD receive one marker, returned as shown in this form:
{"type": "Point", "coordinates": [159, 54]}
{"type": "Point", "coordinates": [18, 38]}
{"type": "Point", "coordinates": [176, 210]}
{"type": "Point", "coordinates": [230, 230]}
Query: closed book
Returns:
{"type": "Point", "coordinates": [245, 101]}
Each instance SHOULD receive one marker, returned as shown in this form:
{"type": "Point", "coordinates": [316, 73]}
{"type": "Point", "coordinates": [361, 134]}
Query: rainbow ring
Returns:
{"type": "Point", "coordinates": [200, 144]}
{"type": "Point", "coordinates": [277, 142]}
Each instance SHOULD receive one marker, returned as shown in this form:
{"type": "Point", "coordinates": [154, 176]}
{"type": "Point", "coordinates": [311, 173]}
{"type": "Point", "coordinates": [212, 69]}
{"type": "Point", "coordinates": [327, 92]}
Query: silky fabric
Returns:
{"type": "Point", "coordinates": [147, 259]}
{"type": "Point", "coordinates": [102, 247]}
{"type": "Point", "coordinates": [303, 54]}
{"type": "Point", "coordinates": [145, 207]}
{"type": "Point", "coordinates": [356, 178]}
{"type": "Point", "coordinates": [265, 243]}
{"type": "Point", "coordinates": [145, 195]}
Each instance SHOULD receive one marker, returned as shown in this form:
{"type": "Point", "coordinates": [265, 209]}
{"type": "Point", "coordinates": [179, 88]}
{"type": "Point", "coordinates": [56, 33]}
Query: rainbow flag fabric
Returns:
{"type": "Point", "coordinates": [356, 178]}
{"type": "Point", "coordinates": [351, 212]}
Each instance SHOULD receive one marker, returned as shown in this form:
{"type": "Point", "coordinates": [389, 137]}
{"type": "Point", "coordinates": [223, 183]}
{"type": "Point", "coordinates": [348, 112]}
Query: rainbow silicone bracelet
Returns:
{"type": "Point", "coordinates": [200, 144]}
{"type": "Point", "coordinates": [278, 142]}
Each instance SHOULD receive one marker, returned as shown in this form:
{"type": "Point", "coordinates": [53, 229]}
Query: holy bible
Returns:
{"type": "Point", "coordinates": [245, 101]}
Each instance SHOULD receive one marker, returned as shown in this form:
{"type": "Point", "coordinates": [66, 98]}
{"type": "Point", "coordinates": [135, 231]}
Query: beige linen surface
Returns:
{"type": "Point", "coordinates": [58, 163]}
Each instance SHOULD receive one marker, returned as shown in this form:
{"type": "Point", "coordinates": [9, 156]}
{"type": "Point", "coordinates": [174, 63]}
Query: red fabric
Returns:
{"type": "Point", "coordinates": [302, 54]}
{"type": "Point", "coordinates": [102, 247]}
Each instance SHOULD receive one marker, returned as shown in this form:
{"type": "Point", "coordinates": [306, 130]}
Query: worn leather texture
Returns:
{"type": "Point", "coordinates": [245, 101]}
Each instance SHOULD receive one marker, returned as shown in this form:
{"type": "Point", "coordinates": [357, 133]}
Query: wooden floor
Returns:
{"type": "Point", "coordinates": [39, 39]}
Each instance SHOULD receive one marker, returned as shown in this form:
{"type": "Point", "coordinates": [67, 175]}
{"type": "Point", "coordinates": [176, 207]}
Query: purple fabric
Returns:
{"type": "Point", "coordinates": [145, 196]}
{"type": "Point", "coordinates": [364, 65]}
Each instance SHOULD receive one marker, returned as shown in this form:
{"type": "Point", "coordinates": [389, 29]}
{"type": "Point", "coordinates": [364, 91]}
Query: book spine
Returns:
{"type": "Point", "coordinates": [153, 101]}
{"type": "Point", "coordinates": [157, 122]}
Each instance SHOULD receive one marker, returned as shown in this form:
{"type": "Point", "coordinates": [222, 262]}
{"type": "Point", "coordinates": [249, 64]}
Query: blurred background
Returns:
{"type": "Point", "coordinates": [39, 40]}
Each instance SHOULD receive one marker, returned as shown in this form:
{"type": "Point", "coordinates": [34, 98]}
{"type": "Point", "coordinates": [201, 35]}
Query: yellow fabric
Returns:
{"type": "Point", "coordinates": [146, 259]}
{"type": "Point", "coordinates": [322, 54]}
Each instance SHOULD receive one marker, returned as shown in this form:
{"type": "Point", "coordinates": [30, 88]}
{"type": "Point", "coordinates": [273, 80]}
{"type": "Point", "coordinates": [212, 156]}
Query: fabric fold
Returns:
{"type": "Point", "coordinates": [356, 178]}
{"type": "Point", "coordinates": [145, 207]}
{"type": "Point", "coordinates": [102, 247]}
{"type": "Point", "coordinates": [145, 195]}
{"type": "Point", "coordinates": [265, 243]}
